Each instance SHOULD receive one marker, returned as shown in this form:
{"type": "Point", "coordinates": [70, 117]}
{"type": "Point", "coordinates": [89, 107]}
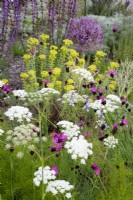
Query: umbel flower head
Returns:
{"type": "Point", "coordinates": [86, 33]}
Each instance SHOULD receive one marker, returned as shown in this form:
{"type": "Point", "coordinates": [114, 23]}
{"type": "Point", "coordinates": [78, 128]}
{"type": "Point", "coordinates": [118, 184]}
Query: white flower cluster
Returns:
{"type": "Point", "coordinates": [111, 142]}
{"type": "Point", "coordinates": [45, 175]}
{"type": "Point", "coordinates": [113, 98]}
{"type": "Point", "coordinates": [19, 113]}
{"type": "Point", "coordinates": [79, 148]}
{"type": "Point", "coordinates": [1, 132]}
{"type": "Point", "coordinates": [69, 129]}
{"type": "Point", "coordinates": [19, 93]}
{"type": "Point", "coordinates": [83, 74]}
{"type": "Point", "coordinates": [60, 186]}
{"type": "Point", "coordinates": [48, 91]}
{"type": "Point", "coordinates": [1, 84]}
{"type": "Point", "coordinates": [72, 97]}
{"type": "Point", "coordinates": [112, 103]}
{"type": "Point", "coordinates": [23, 135]}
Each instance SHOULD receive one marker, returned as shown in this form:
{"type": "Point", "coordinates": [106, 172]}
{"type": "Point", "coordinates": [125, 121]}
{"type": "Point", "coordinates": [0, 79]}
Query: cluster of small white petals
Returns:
{"type": "Point", "coordinates": [19, 113]}
{"type": "Point", "coordinates": [110, 142]}
{"type": "Point", "coordinates": [1, 132]}
{"type": "Point", "coordinates": [1, 84]}
{"type": "Point", "coordinates": [79, 148]}
{"type": "Point", "coordinates": [20, 155]}
{"type": "Point", "coordinates": [19, 93]}
{"type": "Point", "coordinates": [84, 74]}
{"type": "Point", "coordinates": [45, 175]}
{"type": "Point", "coordinates": [69, 129]}
{"type": "Point", "coordinates": [60, 186]}
{"type": "Point", "coordinates": [72, 97]}
{"type": "Point", "coordinates": [112, 103]}
{"type": "Point", "coordinates": [47, 91]}
{"type": "Point", "coordinates": [23, 135]}
{"type": "Point", "coordinates": [113, 98]}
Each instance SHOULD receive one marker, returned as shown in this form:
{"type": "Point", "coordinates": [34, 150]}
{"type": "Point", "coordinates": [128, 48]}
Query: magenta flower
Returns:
{"type": "Point", "coordinates": [100, 92]}
{"type": "Point", "coordinates": [87, 135]}
{"type": "Point", "coordinates": [6, 88]}
{"type": "Point", "coordinates": [96, 169]}
{"type": "Point", "coordinates": [80, 123]}
{"type": "Point", "coordinates": [46, 82]}
{"type": "Point", "coordinates": [55, 169]}
{"type": "Point", "coordinates": [58, 138]}
{"type": "Point", "coordinates": [50, 71]}
{"type": "Point", "coordinates": [123, 100]}
{"type": "Point", "coordinates": [93, 90]}
{"type": "Point", "coordinates": [124, 122]}
{"type": "Point", "coordinates": [112, 73]}
{"type": "Point", "coordinates": [115, 28]}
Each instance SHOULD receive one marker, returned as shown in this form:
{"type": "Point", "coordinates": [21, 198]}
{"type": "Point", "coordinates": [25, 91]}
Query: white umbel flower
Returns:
{"type": "Point", "coordinates": [47, 91]}
{"type": "Point", "coordinates": [111, 142]}
{"type": "Point", "coordinates": [1, 84]}
{"type": "Point", "coordinates": [72, 97]}
{"type": "Point", "coordinates": [79, 148]}
{"type": "Point", "coordinates": [60, 186]}
{"type": "Point", "coordinates": [69, 129]}
{"type": "Point", "coordinates": [45, 175]}
{"type": "Point", "coordinates": [19, 93]}
{"type": "Point", "coordinates": [83, 74]}
{"type": "Point", "coordinates": [19, 113]}
{"type": "Point", "coordinates": [113, 98]}
{"type": "Point", "coordinates": [1, 132]}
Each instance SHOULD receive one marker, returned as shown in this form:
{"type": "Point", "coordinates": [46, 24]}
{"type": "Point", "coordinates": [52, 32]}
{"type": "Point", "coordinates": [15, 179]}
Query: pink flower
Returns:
{"type": "Point", "coordinates": [96, 169]}
{"type": "Point", "coordinates": [55, 169]}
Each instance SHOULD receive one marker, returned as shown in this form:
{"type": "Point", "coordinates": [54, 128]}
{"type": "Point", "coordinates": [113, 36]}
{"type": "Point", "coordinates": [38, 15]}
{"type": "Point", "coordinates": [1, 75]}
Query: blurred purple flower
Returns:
{"type": "Point", "coordinates": [6, 88]}
{"type": "Point", "coordinates": [55, 169]}
{"type": "Point", "coordinates": [96, 169]}
{"type": "Point", "coordinates": [86, 33]}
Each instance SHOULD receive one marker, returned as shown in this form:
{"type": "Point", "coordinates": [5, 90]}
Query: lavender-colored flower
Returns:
{"type": "Point", "coordinates": [124, 122]}
{"type": "Point", "coordinates": [72, 99]}
{"type": "Point", "coordinates": [123, 100]}
{"type": "Point", "coordinates": [58, 138]}
{"type": "Point", "coordinates": [86, 33]}
{"type": "Point", "coordinates": [87, 105]}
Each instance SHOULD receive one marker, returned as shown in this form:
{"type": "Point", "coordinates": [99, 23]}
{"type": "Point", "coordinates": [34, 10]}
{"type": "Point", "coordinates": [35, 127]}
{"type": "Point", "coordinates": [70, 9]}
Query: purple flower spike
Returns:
{"type": "Point", "coordinates": [55, 169]}
{"type": "Point", "coordinates": [115, 125]}
{"type": "Point", "coordinates": [46, 82]}
{"type": "Point", "coordinates": [87, 135]}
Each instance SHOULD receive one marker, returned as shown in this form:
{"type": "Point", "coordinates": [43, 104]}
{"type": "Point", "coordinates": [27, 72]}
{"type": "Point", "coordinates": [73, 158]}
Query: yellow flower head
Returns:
{"type": "Point", "coordinates": [24, 75]}
{"type": "Point", "coordinates": [33, 41]}
{"type": "Point", "coordinates": [27, 57]}
{"type": "Point", "coordinates": [81, 61]}
{"type": "Point", "coordinates": [68, 42]}
{"type": "Point", "coordinates": [64, 49]}
{"type": "Point", "coordinates": [92, 68]}
{"type": "Point", "coordinates": [113, 83]}
{"type": "Point", "coordinates": [114, 65]}
{"type": "Point", "coordinates": [56, 71]}
{"type": "Point", "coordinates": [50, 85]}
{"type": "Point", "coordinates": [100, 54]}
{"type": "Point", "coordinates": [44, 74]}
{"type": "Point", "coordinates": [42, 56]}
{"type": "Point", "coordinates": [73, 53]}
{"type": "Point", "coordinates": [5, 81]}
{"type": "Point", "coordinates": [111, 86]}
{"type": "Point", "coordinates": [53, 47]}
{"type": "Point", "coordinates": [76, 67]}
{"type": "Point", "coordinates": [44, 37]}
{"type": "Point", "coordinates": [58, 85]}
{"type": "Point", "coordinates": [69, 88]}
{"type": "Point", "coordinates": [32, 73]}
{"type": "Point", "coordinates": [70, 81]}
{"type": "Point", "coordinates": [99, 77]}
{"type": "Point", "coordinates": [70, 63]}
